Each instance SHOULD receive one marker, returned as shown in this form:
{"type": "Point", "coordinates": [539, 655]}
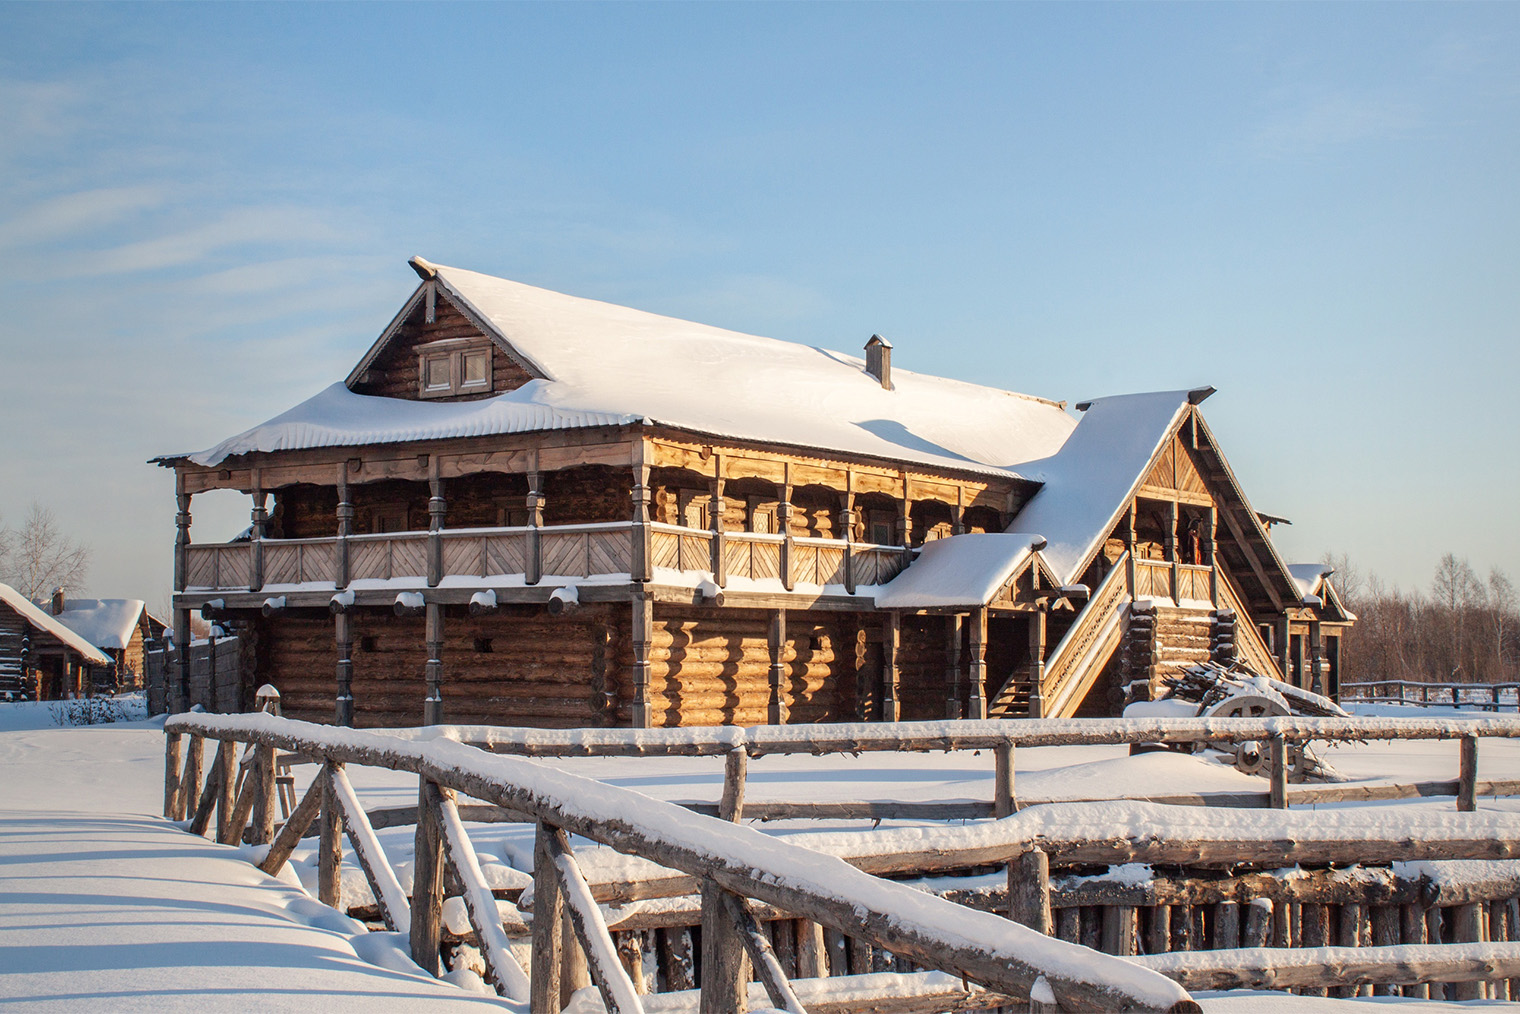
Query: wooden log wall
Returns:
{"type": "Point", "coordinates": [393, 374]}
{"type": "Point", "coordinates": [712, 667]}
{"type": "Point", "coordinates": [517, 667]}
{"type": "Point", "coordinates": [1183, 638]}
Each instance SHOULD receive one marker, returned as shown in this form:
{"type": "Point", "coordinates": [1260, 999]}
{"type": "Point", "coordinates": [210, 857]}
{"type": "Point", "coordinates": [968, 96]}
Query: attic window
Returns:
{"type": "Point", "coordinates": [453, 367]}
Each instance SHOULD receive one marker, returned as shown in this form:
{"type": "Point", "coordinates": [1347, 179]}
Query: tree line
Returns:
{"type": "Point", "coordinates": [1462, 629]}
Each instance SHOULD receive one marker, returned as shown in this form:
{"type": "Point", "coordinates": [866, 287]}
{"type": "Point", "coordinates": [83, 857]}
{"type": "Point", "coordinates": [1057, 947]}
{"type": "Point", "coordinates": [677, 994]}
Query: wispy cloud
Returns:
{"type": "Point", "coordinates": [1308, 125]}
{"type": "Point", "coordinates": [71, 214]}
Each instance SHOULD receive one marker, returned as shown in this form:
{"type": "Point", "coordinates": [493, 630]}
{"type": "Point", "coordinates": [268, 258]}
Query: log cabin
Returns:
{"type": "Point", "coordinates": [41, 659]}
{"type": "Point", "coordinates": [120, 628]}
{"type": "Point", "coordinates": [528, 508]}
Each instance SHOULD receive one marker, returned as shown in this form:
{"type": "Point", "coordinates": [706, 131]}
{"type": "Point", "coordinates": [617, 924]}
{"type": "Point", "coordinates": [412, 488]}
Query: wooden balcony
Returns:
{"type": "Point", "coordinates": [551, 553]}
{"type": "Point", "coordinates": [1154, 579]}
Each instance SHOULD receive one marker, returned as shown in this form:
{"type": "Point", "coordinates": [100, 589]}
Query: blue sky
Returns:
{"type": "Point", "coordinates": [205, 212]}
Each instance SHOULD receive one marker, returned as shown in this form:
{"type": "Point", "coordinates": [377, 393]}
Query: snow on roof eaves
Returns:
{"type": "Point", "coordinates": [1089, 480]}
{"type": "Point", "coordinates": [105, 623]}
{"type": "Point", "coordinates": [42, 621]}
{"type": "Point", "coordinates": [963, 571]}
{"type": "Point", "coordinates": [611, 365]}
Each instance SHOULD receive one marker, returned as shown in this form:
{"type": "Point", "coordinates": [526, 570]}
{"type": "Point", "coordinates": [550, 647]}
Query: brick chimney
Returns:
{"type": "Point", "coordinates": [879, 360]}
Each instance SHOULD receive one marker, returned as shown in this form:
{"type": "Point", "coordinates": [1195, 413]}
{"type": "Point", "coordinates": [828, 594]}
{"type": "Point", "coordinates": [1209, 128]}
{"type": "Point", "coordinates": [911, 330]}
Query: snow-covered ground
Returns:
{"type": "Point", "coordinates": [105, 907]}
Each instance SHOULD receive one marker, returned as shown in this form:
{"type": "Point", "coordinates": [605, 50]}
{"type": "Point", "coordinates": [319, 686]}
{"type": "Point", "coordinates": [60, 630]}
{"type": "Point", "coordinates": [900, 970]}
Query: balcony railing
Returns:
{"type": "Point", "coordinates": [1153, 579]}
{"type": "Point", "coordinates": [562, 551]}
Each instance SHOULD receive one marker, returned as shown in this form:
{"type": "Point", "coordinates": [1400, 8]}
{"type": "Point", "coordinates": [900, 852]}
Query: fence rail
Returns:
{"type": "Point", "coordinates": [1483, 696]}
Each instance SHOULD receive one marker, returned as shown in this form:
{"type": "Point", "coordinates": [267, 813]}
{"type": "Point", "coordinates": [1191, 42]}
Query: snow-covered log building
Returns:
{"type": "Point", "coordinates": [528, 508]}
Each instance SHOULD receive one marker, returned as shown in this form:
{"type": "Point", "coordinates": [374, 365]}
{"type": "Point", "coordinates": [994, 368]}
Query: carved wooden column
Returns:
{"type": "Point", "coordinates": [345, 529]}
{"type": "Point", "coordinates": [1316, 659]}
{"type": "Point", "coordinates": [343, 637]}
{"type": "Point", "coordinates": [976, 700]}
{"type": "Point", "coordinates": [905, 521]}
{"type": "Point", "coordinates": [643, 554]}
{"type": "Point", "coordinates": [260, 519]}
{"type": "Point", "coordinates": [1037, 664]}
{"type": "Point", "coordinates": [432, 709]}
{"type": "Point", "coordinates": [847, 522]}
{"type": "Point", "coordinates": [178, 700]}
{"type": "Point", "coordinates": [891, 635]}
{"type": "Point", "coordinates": [534, 565]}
{"type": "Point", "coordinates": [953, 666]}
{"type": "Point", "coordinates": [1210, 546]}
{"type": "Point", "coordinates": [1130, 545]}
{"type": "Point", "coordinates": [715, 522]}
{"type": "Point", "coordinates": [784, 522]}
{"type": "Point", "coordinates": [1171, 549]}
{"type": "Point", "coordinates": [1284, 634]}
{"type": "Point", "coordinates": [437, 509]}
{"type": "Point", "coordinates": [775, 643]}
{"type": "Point", "coordinates": [642, 638]}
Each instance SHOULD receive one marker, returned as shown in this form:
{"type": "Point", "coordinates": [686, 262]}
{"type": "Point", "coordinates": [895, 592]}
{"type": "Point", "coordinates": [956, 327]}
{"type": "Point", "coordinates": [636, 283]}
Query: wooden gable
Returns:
{"type": "Point", "coordinates": [1176, 476]}
{"type": "Point", "coordinates": [394, 368]}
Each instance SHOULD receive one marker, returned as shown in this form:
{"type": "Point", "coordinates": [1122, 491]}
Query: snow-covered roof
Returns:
{"type": "Point", "coordinates": [105, 623]}
{"type": "Point", "coordinates": [1089, 480]}
{"type": "Point", "coordinates": [1307, 576]}
{"type": "Point", "coordinates": [603, 364]}
{"type": "Point", "coordinates": [42, 621]}
{"type": "Point", "coordinates": [963, 571]}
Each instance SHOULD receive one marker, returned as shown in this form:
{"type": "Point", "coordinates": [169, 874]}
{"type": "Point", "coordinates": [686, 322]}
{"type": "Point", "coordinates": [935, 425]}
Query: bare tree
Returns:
{"type": "Point", "coordinates": [1501, 602]}
{"type": "Point", "coordinates": [38, 557]}
{"type": "Point", "coordinates": [1348, 578]}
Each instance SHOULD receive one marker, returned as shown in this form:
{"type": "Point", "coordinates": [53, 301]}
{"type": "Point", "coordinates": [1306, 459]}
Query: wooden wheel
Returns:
{"type": "Point", "coordinates": [1254, 758]}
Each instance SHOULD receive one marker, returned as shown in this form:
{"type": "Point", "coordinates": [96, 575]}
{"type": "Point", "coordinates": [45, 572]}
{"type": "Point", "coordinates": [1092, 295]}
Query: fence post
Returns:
{"type": "Point", "coordinates": [427, 881]}
{"type": "Point", "coordinates": [1029, 890]}
{"type": "Point", "coordinates": [725, 963]}
{"type": "Point", "coordinates": [1467, 778]}
{"type": "Point", "coordinates": [265, 802]}
{"type": "Point", "coordinates": [330, 841]}
{"type": "Point", "coordinates": [1278, 791]}
{"type": "Point", "coordinates": [172, 749]}
{"type": "Point", "coordinates": [1003, 800]}
{"type": "Point", "coordinates": [548, 926]}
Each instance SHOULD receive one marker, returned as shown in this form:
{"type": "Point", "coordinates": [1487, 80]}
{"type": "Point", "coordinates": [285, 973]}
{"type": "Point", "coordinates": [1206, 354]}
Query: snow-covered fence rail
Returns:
{"type": "Point", "coordinates": [735, 866]}
{"type": "Point", "coordinates": [1483, 696]}
{"type": "Point", "coordinates": [1001, 738]}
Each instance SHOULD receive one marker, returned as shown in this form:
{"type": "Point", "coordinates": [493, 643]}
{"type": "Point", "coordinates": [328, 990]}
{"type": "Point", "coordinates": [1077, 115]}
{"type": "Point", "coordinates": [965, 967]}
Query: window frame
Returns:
{"type": "Point", "coordinates": [454, 353]}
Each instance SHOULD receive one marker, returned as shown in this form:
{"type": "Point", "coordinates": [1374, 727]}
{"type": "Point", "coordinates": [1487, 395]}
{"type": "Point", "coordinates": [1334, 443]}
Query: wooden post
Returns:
{"type": "Point", "coordinates": [345, 529]}
{"type": "Point", "coordinates": [725, 961]}
{"type": "Point", "coordinates": [1467, 777]}
{"type": "Point", "coordinates": [437, 509]}
{"type": "Point", "coordinates": [535, 561]}
{"type": "Point", "coordinates": [976, 664]}
{"type": "Point", "coordinates": [1037, 664]}
{"type": "Point", "coordinates": [1284, 643]}
{"type": "Point", "coordinates": [173, 747]}
{"type": "Point", "coordinates": [775, 644]}
{"type": "Point", "coordinates": [1119, 929]}
{"type": "Point", "coordinates": [847, 523]}
{"type": "Point", "coordinates": [548, 925]}
{"type": "Point", "coordinates": [432, 707]}
{"type": "Point", "coordinates": [905, 521]}
{"type": "Point", "coordinates": [891, 633]}
{"type": "Point", "coordinates": [715, 520]}
{"type": "Point", "coordinates": [265, 802]}
{"type": "Point", "coordinates": [427, 880]}
{"type": "Point", "coordinates": [642, 638]}
{"type": "Point", "coordinates": [190, 787]}
{"type": "Point", "coordinates": [1210, 547]}
{"type": "Point", "coordinates": [183, 638]}
{"type": "Point", "coordinates": [1316, 659]}
{"type": "Point", "coordinates": [260, 518]}
{"type": "Point", "coordinates": [1003, 799]}
{"type": "Point", "coordinates": [642, 551]}
{"type": "Point", "coordinates": [226, 785]}
{"type": "Point", "coordinates": [1029, 891]}
{"type": "Point", "coordinates": [784, 522]}
{"type": "Point", "coordinates": [343, 702]}
{"type": "Point", "coordinates": [1130, 540]}
{"type": "Point", "coordinates": [1278, 758]}
{"type": "Point", "coordinates": [330, 842]}
{"type": "Point", "coordinates": [1171, 549]}
{"type": "Point", "coordinates": [181, 534]}
{"type": "Point", "coordinates": [953, 666]}
{"type": "Point", "coordinates": [1468, 930]}
{"type": "Point", "coordinates": [735, 774]}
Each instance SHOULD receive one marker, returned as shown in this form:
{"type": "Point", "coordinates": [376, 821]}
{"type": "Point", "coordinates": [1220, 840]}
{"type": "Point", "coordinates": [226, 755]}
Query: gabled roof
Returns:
{"type": "Point", "coordinates": [42, 621]}
{"type": "Point", "coordinates": [601, 364]}
{"type": "Point", "coordinates": [1316, 589]}
{"type": "Point", "coordinates": [963, 571]}
{"type": "Point", "coordinates": [105, 623]}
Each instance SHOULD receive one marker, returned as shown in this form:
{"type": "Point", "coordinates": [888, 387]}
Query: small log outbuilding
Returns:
{"type": "Point", "coordinates": [41, 658]}
{"type": "Point", "coordinates": [528, 508]}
